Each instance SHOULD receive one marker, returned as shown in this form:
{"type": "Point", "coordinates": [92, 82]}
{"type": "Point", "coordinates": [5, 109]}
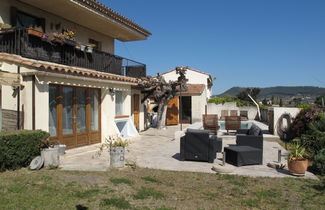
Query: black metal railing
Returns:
{"type": "Point", "coordinates": [18, 41]}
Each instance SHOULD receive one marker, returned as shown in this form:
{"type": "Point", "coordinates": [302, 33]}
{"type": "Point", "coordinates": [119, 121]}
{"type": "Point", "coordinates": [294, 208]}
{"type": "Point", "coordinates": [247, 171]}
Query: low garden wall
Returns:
{"type": "Point", "coordinates": [278, 112]}
{"type": "Point", "coordinates": [216, 109]}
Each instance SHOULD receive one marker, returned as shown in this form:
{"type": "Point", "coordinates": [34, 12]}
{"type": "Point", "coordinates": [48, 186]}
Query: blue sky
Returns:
{"type": "Point", "coordinates": [255, 43]}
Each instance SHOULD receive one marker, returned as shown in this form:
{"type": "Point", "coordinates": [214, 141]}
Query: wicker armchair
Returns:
{"type": "Point", "coordinates": [199, 145]}
{"type": "Point", "coordinates": [210, 122]}
{"type": "Point", "coordinates": [232, 123]}
{"type": "Point", "coordinates": [248, 149]}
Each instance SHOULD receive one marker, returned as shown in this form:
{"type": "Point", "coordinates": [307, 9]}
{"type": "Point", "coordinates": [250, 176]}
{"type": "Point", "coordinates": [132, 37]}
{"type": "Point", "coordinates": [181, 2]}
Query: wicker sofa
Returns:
{"type": "Point", "coordinates": [199, 145]}
{"type": "Point", "coordinates": [248, 149]}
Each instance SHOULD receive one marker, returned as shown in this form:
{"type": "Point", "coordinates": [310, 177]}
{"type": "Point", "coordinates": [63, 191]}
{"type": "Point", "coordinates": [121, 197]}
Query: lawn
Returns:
{"type": "Point", "coordinates": [154, 189]}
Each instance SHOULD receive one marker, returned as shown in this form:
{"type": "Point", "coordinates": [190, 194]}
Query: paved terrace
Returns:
{"type": "Point", "coordinates": [158, 149]}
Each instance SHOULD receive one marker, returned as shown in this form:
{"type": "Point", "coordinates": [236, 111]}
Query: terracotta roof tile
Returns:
{"type": "Point", "coordinates": [64, 69]}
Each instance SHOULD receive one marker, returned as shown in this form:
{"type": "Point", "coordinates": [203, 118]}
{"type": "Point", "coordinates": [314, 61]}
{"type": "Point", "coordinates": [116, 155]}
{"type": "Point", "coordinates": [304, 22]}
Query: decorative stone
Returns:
{"type": "Point", "coordinates": [37, 163]}
{"type": "Point", "coordinates": [220, 169]}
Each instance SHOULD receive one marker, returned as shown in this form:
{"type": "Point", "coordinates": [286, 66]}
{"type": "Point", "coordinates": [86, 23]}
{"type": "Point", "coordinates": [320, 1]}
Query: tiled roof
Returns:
{"type": "Point", "coordinates": [57, 68]}
{"type": "Point", "coordinates": [108, 12]}
{"type": "Point", "coordinates": [194, 89]}
{"type": "Point", "coordinates": [201, 72]}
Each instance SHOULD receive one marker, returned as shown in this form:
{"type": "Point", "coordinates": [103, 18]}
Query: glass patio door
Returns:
{"type": "Point", "coordinates": [74, 115]}
{"type": "Point", "coordinates": [80, 117]}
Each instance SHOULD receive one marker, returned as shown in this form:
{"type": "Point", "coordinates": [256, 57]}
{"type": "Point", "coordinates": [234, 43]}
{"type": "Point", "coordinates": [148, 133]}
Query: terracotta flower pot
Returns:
{"type": "Point", "coordinates": [298, 167]}
{"type": "Point", "coordinates": [34, 32]}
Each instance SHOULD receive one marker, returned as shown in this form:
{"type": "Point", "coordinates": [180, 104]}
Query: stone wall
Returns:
{"type": "Point", "coordinates": [216, 109]}
{"type": "Point", "coordinates": [279, 111]}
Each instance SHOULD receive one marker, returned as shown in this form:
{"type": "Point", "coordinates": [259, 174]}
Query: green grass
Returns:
{"type": "Point", "coordinates": [121, 181]}
{"type": "Point", "coordinates": [119, 203]}
{"type": "Point", "coordinates": [87, 193]}
{"type": "Point", "coordinates": [145, 193]}
{"type": "Point", "coordinates": [154, 189]}
{"type": "Point", "coordinates": [150, 179]}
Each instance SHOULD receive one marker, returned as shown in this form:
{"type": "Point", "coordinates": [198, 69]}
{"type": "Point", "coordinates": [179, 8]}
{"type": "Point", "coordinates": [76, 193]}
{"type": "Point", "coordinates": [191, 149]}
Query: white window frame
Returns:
{"type": "Point", "coordinates": [119, 111]}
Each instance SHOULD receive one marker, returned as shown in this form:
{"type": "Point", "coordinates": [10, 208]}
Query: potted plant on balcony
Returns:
{"type": "Point", "coordinates": [34, 32]}
{"type": "Point", "coordinates": [4, 25]}
{"type": "Point", "coordinates": [69, 36]}
{"type": "Point", "coordinates": [90, 47]}
{"type": "Point", "coordinates": [5, 28]}
{"type": "Point", "coordinates": [297, 162]}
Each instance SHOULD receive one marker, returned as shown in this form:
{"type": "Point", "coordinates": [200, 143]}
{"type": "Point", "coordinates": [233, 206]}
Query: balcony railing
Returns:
{"type": "Point", "coordinates": [18, 41]}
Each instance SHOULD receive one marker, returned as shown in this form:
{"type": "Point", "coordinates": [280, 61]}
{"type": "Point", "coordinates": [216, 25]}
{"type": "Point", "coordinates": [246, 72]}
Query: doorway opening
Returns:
{"type": "Point", "coordinates": [186, 109]}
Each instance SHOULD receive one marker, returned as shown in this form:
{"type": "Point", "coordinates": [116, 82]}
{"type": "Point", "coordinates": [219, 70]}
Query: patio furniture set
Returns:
{"type": "Point", "coordinates": [242, 114]}
{"type": "Point", "coordinates": [202, 145]}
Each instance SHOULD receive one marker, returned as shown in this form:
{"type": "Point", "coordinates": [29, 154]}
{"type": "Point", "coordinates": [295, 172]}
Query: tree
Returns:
{"type": "Point", "coordinates": [320, 101]}
{"type": "Point", "coordinates": [161, 91]}
{"type": "Point", "coordinates": [264, 102]}
{"type": "Point", "coordinates": [251, 91]}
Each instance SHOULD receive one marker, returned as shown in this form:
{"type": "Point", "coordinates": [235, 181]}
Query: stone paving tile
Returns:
{"type": "Point", "coordinates": [158, 149]}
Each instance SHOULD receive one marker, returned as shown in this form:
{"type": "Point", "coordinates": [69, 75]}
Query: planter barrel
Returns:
{"type": "Point", "coordinates": [34, 32]}
{"type": "Point", "coordinates": [298, 167]}
{"type": "Point", "coordinates": [117, 157]}
{"type": "Point", "coordinates": [61, 148]}
{"type": "Point", "coordinates": [51, 156]}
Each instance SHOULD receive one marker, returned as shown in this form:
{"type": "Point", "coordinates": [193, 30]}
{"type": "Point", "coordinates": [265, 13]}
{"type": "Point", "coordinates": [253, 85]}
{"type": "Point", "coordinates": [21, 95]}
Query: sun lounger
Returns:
{"type": "Point", "coordinates": [210, 122]}
{"type": "Point", "coordinates": [232, 123]}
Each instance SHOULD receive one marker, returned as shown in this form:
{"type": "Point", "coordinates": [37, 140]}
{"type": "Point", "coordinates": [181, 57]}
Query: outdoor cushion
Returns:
{"type": "Point", "coordinates": [191, 130]}
{"type": "Point", "coordinates": [254, 130]}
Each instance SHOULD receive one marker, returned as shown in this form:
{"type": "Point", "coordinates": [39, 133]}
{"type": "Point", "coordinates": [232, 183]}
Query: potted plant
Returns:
{"type": "Point", "coordinates": [90, 47]}
{"type": "Point", "coordinates": [80, 47]}
{"type": "Point", "coordinates": [50, 152]}
{"type": "Point", "coordinates": [34, 32]}
{"type": "Point", "coordinates": [70, 36]}
{"type": "Point", "coordinates": [4, 28]}
{"type": "Point", "coordinates": [297, 162]}
{"type": "Point", "coordinates": [116, 147]}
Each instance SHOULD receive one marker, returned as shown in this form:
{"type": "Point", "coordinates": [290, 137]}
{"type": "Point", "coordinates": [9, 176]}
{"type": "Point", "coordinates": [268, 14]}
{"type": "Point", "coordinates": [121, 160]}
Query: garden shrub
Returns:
{"type": "Point", "coordinates": [314, 139]}
{"type": "Point", "coordinates": [222, 100]}
{"type": "Point", "coordinates": [319, 162]}
{"type": "Point", "coordinates": [18, 148]}
{"type": "Point", "coordinates": [304, 106]}
{"type": "Point", "coordinates": [300, 123]}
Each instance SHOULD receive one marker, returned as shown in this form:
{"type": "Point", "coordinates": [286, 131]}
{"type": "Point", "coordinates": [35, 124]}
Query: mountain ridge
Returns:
{"type": "Point", "coordinates": [279, 91]}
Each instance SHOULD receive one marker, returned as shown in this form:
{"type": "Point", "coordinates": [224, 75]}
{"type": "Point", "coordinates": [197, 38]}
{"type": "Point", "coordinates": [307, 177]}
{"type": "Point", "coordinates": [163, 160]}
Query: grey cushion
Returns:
{"type": "Point", "coordinates": [191, 130]}
{"type": "Point", "coordinates": [254, 130]}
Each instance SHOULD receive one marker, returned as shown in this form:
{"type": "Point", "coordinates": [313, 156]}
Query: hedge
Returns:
{"type": "Point", "coordinates": [222, 100]}
{"type": "Point", "coordinates": [18, 148]}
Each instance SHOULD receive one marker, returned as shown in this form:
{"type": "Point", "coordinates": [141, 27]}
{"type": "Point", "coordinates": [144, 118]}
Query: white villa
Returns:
{"type": "Point", "coordinates": [76, 89]}
{"type": "Point", "coordinates": [192, 103]}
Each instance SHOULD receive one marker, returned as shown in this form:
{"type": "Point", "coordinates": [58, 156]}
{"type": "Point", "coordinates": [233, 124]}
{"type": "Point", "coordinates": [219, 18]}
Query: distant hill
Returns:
{"type": "Point", "coordinates": [280, 91]}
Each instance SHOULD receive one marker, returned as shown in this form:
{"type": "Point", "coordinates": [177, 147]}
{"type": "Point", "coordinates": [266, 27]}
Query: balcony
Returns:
{"type": "Point", "coordinates": [33, 45]}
